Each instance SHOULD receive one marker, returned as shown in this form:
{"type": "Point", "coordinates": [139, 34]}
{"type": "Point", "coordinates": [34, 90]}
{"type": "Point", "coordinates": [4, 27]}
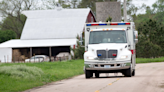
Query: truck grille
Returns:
{"type": "Point", "coordinates": [106, 54]}
{"type": "Point", "coordinates": [102, 53]}
{"type": "Point", "coordinates": [111, 52]}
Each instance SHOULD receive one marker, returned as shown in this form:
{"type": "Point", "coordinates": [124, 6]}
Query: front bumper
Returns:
{"type": "Point", "coordinates": [107, 65]}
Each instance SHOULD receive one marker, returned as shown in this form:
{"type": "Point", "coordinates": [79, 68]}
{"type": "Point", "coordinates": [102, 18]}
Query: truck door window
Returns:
{"type": "Point", "coordinates": [97, 37]}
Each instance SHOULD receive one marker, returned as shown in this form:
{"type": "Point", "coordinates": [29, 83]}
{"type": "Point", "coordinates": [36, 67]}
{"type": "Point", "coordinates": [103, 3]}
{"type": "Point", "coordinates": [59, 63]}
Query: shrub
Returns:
{"type": "Point", "coordinates": [151, 43]}
{"type": "Point", "coordinates": [109, 19]}
{"type": "Point", "coordinates": [79, 50]}
{"type": "Point", "coordinates": [7, 35]}
{"type": "Point", "coordinates": [21, 71]}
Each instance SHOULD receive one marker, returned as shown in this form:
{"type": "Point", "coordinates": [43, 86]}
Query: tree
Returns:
{"type": "Point", "coordinates": [151, 39]}
{"type": "Point", "coordinates": [89, 4]}
{"type": "Point", "coordinates": [158, 10]}
{"type": "Point", "coordinates": [79, 50]}
{"type": "Point", "coordinates": [109, 19]}
{"type": "Point", "coordinates": [52, 4]}
{"type": "Point", "coordinates": [131, 9]}
{"type": "Point", "coordinates": [12, 23]}
{"type": "Point", "coordinates": [7, 35]}
{"type": "Point", "coordinates": [138, 19]}
{"type": "Point", "coordinates": [12, 11]}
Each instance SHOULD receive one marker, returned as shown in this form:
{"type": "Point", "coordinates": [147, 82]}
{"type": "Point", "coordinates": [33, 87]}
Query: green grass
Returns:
{"type": "Point", "coordinates": [53, 71]}
{"type": "Point", "coordinates": [149, 60]}
{"type": "Point", "coordinates": [11, 79]}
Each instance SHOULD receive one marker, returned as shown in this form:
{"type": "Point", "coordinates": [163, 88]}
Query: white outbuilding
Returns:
{"type": "Point", "coordinates": [47, 32]}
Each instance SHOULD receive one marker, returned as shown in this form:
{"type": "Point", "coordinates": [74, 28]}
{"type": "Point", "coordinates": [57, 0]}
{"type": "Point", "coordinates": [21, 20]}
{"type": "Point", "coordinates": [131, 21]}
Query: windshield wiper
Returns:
{"type": "Point", "coordinates": [94, 43]}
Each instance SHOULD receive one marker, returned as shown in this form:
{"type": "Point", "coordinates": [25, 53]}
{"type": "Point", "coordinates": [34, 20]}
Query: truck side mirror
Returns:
{"type": "Point", "coordinates": [136, 41]}
{"type": "Point", "coordinates": [136, 36]}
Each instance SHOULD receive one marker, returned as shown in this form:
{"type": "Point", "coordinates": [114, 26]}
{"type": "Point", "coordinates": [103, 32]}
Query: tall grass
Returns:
{"type": "Point", "coordinates": [21, 71]}
{"type": "Point", "coordinates": [22, 76]}
{"type": "Point", "coordinates": [17, 77]}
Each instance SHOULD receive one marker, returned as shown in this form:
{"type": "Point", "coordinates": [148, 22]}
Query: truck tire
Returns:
{"type": "Point", "coordinates": [133, 73]}
{"type": "Point", "coordinates": [88, 74]}
{"type": "Point", "coordinates": [128, 73]}
{"type": "Point", "coordinates": [97, 75]}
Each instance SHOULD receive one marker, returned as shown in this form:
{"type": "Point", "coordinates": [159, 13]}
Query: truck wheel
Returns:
{"type": "Point", "coordinates": [128, 73]}
{"type": "Point", "coordinates": [123, 73]}
{"type": "Point", "coordinates": [97, 75]}
{"type": "Point", "coordinates": [133, 73]}
{"type": "Point", "coordinates": [88, 74]}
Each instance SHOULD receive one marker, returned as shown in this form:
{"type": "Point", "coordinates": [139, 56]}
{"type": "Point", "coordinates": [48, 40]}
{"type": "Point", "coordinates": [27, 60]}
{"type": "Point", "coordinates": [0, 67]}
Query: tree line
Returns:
{"type": "Point", "coordinates": [149, 25]}
{"type": "Point", "coordinates": [14, 20]}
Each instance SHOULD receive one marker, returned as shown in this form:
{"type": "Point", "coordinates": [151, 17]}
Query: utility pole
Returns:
{"type": "Point", "coordinates": [125, 12]}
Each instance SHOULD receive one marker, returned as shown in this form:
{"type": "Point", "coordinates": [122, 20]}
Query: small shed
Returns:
{"type": "Point", "coordinates": [47, 32]}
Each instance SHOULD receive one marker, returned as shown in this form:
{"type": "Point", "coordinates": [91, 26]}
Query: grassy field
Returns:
{"type": "Point", "coordinates": [22, 76]}
{"type": "Point", "coordinates": [149, 60]}
{"type": "Point", "coordinates": [53, 71]}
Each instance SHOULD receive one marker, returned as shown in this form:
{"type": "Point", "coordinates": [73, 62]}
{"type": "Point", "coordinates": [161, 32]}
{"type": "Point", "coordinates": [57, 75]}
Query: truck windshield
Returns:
{"type": "Point", "coordinates": [97, 37]}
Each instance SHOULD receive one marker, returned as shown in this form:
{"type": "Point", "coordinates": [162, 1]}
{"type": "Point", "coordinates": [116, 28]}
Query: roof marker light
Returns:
{"type": "Point", "coordinates": [102, 24]}
{"type": "Point", "coordinates": [94, 24]}
{"type": "Point", "coordinates": [121, 23]}
{"type": "Point", "coordinates": [127, 23]}
{"type": "Point", "coordinates": [88, 24]}
{"type": "Point", "coordinates": [113, 23]}
{"type": "Point", "coordinates": [107, 24]}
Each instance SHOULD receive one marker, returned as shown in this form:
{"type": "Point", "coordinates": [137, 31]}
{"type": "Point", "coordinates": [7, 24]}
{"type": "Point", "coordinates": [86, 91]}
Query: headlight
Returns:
{"type": "Point", "coordinates": [124, 57]}
{"type": "Point", "coordinates": [91, 58]}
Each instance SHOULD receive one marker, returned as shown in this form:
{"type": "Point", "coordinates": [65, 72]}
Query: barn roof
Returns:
{"type": "Point", "coordinates": [54, 24]}
{"type": "Point", "coordinates": [17, 43]}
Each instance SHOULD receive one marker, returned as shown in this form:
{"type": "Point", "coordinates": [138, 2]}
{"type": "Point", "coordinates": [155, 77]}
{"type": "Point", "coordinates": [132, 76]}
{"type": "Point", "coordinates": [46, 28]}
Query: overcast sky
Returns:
{"type": "Point", "coordinates": [140, 2]}
{"type": "Point", "coordinates": [147, 2]}
{"type": "Point", "coordinates": [137, 3]}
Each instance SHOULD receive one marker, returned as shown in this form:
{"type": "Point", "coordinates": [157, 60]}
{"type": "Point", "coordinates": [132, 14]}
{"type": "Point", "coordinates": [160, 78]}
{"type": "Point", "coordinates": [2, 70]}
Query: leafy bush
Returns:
{"type": "Point", "coordinates": [21, 71]}
{"type": "Point", "coordinates": [109, 19]}
{"type": "Point", "coordinates": [147, 49]}
{"type": "Point", "coordinates": [7, 35]}
{"type": "Point", "coordinates": [151, 40]}
{"type": "Point", "coordinates": [14, 23]}
{"type": "Point", "coordinates": [79, 50]}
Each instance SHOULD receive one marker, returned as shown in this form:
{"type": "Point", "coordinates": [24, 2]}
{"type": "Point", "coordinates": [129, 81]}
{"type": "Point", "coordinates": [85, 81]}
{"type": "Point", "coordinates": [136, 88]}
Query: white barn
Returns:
{"type": "Point", "coordinates": [47, 32]}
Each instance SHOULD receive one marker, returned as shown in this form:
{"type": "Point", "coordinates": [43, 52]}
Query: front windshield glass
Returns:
{"type": "Point", "coordinates": [97, 37]}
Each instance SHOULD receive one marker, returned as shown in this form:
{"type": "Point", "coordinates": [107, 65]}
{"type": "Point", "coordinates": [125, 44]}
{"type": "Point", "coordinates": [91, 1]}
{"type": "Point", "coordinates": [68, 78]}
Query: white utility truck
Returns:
{"type": "Point", "coordinates": [110, 48]}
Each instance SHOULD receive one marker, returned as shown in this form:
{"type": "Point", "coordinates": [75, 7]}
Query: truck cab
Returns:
{"type": "Point", "coordinates": [110, 48]}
